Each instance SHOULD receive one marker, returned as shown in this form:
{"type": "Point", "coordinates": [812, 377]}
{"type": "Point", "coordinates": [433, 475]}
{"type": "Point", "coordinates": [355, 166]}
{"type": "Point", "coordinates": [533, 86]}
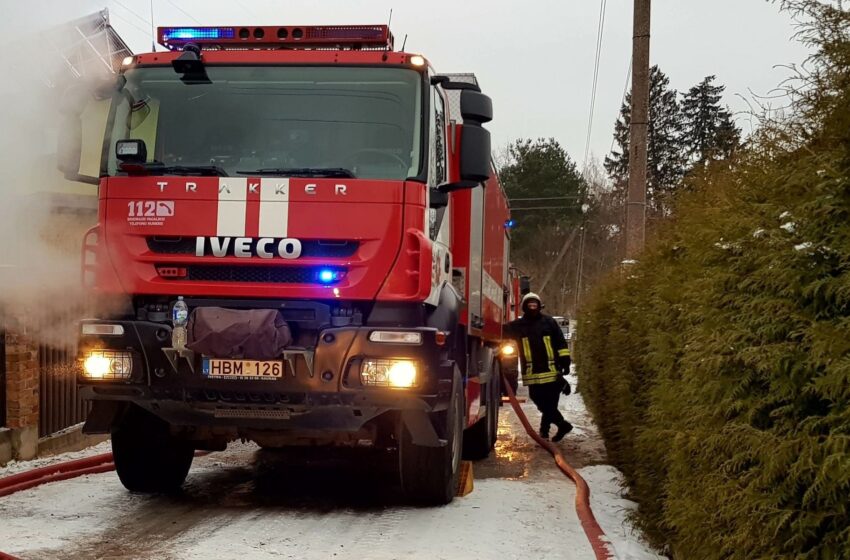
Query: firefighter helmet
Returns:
{"type": "Point", "coordinates": [529, 296]}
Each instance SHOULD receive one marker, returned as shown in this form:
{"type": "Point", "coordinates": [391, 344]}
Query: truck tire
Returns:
{"type": "Point", "coordinates": [495, 403]}
{"type": "Point", "coordinates": [429, 475]}
{"type": "Point", "coordinates": [478, 440]}
{"type": "Point", "coordinates": [147, 457]}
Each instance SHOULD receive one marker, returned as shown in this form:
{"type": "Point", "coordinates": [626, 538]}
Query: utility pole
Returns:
{"type": "Point", "coordinates": [636, 206]}
{"type": "Point", "coordinates": [557, 261]}
{"type": "Point", "coordinates": [580, 270]}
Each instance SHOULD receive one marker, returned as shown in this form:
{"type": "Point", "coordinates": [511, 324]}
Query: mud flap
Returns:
{"type": "Point", "coordinates": [421, 429]}
{"type": "Point", "coordinates": [103, 416]}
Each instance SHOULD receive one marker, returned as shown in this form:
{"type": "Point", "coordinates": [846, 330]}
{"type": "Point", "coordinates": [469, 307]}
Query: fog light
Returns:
{"type": "Point", "coordinates": [107, 364]}
{"type": "Point", "coordinates": [507, 349]}
{"type": "Point", "coordinates": [400, 374]}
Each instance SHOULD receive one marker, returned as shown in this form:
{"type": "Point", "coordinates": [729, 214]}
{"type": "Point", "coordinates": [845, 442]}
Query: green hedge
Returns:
{"type": "Point", "coordinates": [718, 368]}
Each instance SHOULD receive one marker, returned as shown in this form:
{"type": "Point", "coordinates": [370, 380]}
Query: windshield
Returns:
{"type": "Point", "coordinates": [274, 120]}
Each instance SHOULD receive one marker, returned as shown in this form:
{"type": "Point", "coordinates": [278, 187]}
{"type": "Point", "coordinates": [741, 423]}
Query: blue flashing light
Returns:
{"type": "Point", "coordinates": [510, 223]}
{"type": "Point", "coordinates": [194, 33]}
{"type": "Point", "coordinates": [328, 276]}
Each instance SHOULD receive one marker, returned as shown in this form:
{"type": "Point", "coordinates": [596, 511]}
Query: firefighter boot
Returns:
{"type": "Point", "coordinates": [544, 430]}
{"type": "Point", "coordinates": [563, 429]}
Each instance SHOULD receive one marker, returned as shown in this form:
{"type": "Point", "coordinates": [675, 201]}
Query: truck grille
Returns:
{"type": "Point", "coordinates": [312, 248]}
{"type": "Point", "coordinates": [254, 274]}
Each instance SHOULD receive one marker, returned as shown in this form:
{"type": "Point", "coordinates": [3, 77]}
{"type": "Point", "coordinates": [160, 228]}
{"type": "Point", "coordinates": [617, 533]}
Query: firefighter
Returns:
{"type": "Point", "coordinates": [545, 361]}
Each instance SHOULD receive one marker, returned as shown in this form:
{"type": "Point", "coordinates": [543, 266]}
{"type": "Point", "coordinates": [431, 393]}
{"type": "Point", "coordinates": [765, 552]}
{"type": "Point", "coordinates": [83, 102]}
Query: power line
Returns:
{"type": "Point", "coordinates": [132, 11]}
{"type": "Point", "coordinates": [623, 101]}
{"type": "Point", "coordinates": [131, 24]}
{"type": "Point", "coordinates": [184, 12]}
{"type": "Point", "coordinates": [246, 8]}
{"type": "Point", "coordinates": [599, 35]}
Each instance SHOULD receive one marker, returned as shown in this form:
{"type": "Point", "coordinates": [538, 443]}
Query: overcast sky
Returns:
{"type": "Point", "coordinates": [534, 58]}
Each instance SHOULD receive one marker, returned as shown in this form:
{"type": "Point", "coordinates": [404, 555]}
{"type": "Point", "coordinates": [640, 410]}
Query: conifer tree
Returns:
{"type": "Point", "coordinates": [666, 163]}
{"type": "Point", "coordinates": [709, 132]}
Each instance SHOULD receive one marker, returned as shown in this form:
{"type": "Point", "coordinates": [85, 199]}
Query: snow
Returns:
{"type": "Point", "coordinates": [790, 227]}
{"type": "Point", "coordinates": [759, 233]}
{"type": "Point", "coordinates": [14, 467]}
{"type": "Point", "coordinates": [805, 246]}
{"type": "Point", "coordinates": [612, 511]}
{"type": "Point", "coordinates": [785, 215]}
{"type": "Point", "coordinates": [225, 513]}
{"type": "Point", "coordinates": [524, 521]}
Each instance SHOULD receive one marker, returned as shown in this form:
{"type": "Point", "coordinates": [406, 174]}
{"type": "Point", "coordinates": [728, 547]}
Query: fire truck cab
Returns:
{"type": "Point", "coordinates": [301, 241]}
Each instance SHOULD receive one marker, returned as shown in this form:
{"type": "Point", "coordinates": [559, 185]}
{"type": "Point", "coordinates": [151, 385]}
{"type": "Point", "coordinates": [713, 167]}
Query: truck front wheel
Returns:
{"type": "Point", "coordinates": [429, 475]}
{"type": "Point", "coordinates": [147, 457]}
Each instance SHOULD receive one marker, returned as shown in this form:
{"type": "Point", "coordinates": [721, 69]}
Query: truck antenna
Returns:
{"type": "Point", "coordinates": [389, 31]}
{"type": "Point", "coordinates": [403, 43]}
{"type": "Point", "coordinates": [153, 32]}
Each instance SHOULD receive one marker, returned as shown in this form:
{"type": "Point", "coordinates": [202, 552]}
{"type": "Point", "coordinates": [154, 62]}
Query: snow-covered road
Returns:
{"type": "Point", "coordinates": [250, 503]}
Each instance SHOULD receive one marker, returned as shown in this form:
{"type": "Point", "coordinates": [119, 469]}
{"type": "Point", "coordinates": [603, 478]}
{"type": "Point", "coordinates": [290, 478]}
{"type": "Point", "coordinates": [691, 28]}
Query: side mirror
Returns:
{"type": "Point", "coordinates": [131, 151]}
{"type": "Point", "coordinates": [475, 150]}
{"type": "Point", "coordinates": [475, 154]}
{"type": "Point", "coordinates": [475, 107]}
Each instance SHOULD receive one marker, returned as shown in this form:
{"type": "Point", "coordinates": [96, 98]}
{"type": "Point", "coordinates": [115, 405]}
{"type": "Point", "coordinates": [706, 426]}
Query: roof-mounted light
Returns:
{"type": "Point", "coordinates": [354, 37]}
{"type": "Point", "coordinates": [195, 34]}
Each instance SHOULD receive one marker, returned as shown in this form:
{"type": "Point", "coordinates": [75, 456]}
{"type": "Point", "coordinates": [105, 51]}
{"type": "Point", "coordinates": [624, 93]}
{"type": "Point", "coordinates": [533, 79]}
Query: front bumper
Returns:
{"type": "Point", "coordinates": [321, 389]}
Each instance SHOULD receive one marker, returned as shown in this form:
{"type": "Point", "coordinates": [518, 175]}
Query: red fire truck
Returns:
{"type": "Point", "coordinates": [301, 241]}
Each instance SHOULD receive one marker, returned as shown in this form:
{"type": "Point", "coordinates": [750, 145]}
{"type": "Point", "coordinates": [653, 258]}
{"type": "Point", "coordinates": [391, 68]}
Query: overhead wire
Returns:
{"type": "Point", "coordinates": [132, 24]}
{"type": "Point", "coordinates": [245, 7]}
{"type": "Point", "coordinates": [184, 12]}
{"type": "Point", "coordinates": [623, 101]}
{"type": "Point", "coordinates": [143, 19]}
{"type": "Point", "coordinates": [600, 32]}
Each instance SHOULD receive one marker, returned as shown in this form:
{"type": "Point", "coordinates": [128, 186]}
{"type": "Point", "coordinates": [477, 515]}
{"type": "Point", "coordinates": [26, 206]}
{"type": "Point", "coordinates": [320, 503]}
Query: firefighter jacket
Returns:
{"type": "Point", "coordinates": [543, 352]}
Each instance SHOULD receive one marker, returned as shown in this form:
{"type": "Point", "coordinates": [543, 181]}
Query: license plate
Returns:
{"type": "Point", "coordinates": [242, 369]}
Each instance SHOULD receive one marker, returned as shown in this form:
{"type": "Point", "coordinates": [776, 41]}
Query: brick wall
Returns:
{"type": "Point", "coordinates": [21, 381]}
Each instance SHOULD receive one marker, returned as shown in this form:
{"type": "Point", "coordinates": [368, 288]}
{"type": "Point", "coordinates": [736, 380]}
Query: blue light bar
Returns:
{"type": "Point", "coordinates": [194, 33]}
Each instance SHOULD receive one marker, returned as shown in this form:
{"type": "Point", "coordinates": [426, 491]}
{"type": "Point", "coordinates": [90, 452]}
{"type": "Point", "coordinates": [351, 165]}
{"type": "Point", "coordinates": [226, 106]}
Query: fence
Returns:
{"type": "Point", "coordinates": [60, 404]}
{"type": "Point", "coordinates": [2, 377]}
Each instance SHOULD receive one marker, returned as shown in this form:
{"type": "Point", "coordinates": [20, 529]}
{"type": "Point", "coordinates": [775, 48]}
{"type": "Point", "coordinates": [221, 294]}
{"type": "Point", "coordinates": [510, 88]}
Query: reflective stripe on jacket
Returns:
{"type": "Point", "coordinates": [544, 349]}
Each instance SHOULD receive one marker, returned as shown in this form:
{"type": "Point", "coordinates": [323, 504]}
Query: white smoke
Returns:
{"type": "Point", "coordinates": [40, 288]}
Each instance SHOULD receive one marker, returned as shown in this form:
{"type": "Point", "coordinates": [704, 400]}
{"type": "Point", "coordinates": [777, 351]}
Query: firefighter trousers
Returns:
{"type": "Point", "coordinates": [545, 397]}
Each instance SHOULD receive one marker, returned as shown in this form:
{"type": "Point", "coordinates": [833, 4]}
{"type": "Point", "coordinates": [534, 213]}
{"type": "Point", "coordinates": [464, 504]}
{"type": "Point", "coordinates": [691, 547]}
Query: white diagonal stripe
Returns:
{"type": "Point", "coordinates": [274, 207]}
{"type": "Point", "coordinates": [232, 206]}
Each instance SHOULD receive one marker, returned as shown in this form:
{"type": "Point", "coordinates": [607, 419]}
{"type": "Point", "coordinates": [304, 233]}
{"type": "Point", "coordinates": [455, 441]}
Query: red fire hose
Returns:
{"type": "Point", "coordinates": [53, 473]}
{"type": "Point", "coordinates": [591, 527]}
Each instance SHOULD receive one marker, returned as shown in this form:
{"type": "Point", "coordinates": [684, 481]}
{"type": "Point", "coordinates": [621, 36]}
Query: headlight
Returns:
{"type": "Point", "coordinates": [106, 364]}
{"type": "Point", "coordinates": [507, 349]}
{"type": "Point", "coordinates": [401, 374]}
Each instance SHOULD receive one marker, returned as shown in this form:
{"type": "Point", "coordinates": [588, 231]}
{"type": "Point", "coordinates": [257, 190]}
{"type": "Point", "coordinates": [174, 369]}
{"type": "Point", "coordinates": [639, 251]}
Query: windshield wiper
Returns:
{"type": "Point", "coordinates": [156, 168]}
{"type": "Point", "coordinates": [331, 172]}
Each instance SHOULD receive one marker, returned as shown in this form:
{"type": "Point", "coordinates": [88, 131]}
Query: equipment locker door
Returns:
{"type": "Point", "coordinates": [476, 250]}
